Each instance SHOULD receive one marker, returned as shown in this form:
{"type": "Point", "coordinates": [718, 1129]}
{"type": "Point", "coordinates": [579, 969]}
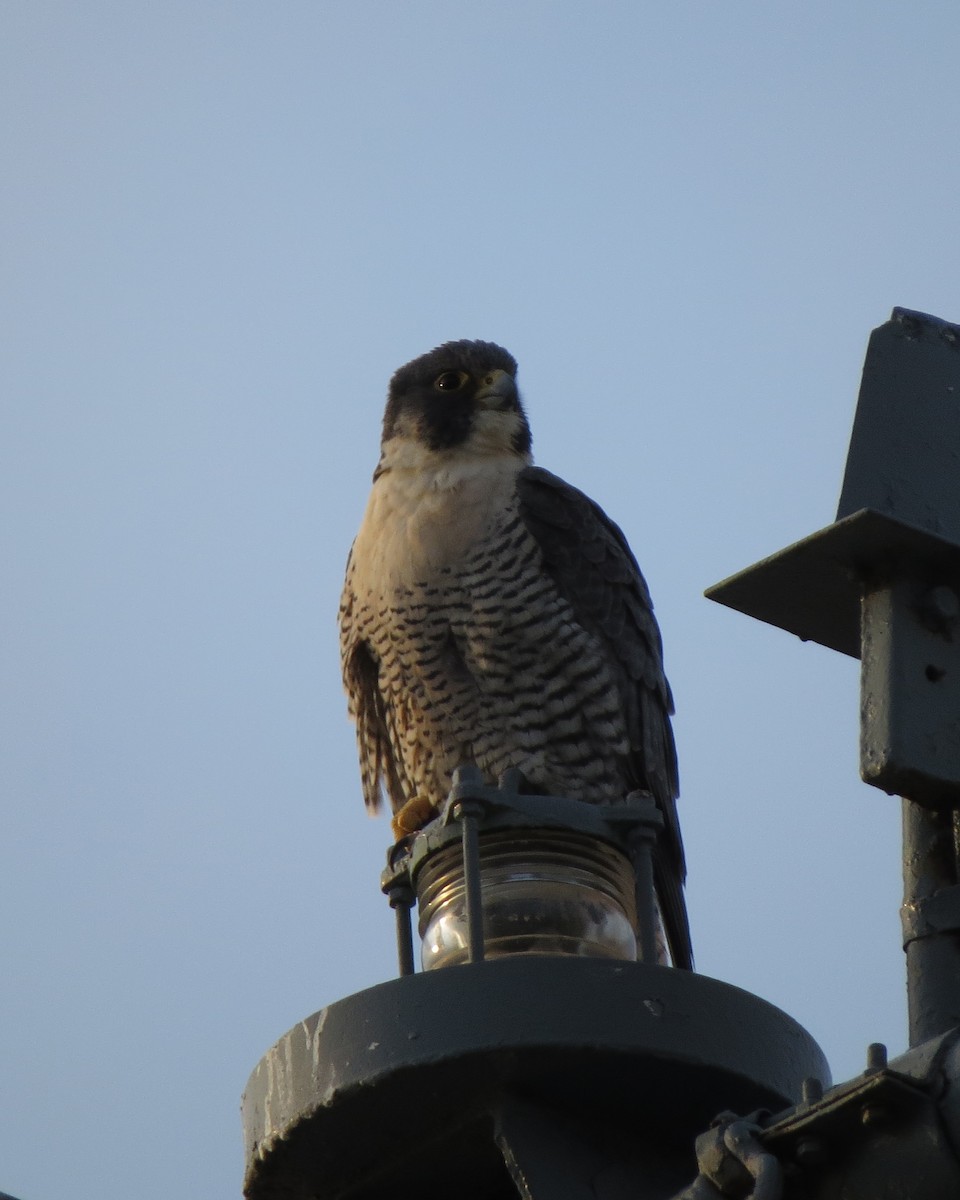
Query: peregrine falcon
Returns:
{"type": "Point", "coordinates": [494, 614]}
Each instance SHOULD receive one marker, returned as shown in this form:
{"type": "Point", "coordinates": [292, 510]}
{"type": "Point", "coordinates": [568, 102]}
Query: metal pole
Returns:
{"type": "Point", "coordinates": [930, 924]}
{"type": "Point", "coordinates": [467, 814]}
{"type": "Point", "coordinates": [646, 908]}
{"type": "Point", "coordinates": [401, 901]}
{"type": "Point", "coordinates": [641, 852]}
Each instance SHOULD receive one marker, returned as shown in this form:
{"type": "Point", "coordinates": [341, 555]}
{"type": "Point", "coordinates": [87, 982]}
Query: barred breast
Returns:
{"type": "Point", "coordinates": [474, 654]}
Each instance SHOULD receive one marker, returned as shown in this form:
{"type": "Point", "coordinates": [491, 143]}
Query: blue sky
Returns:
{"type": "Point", "coordinates": [224, 226]}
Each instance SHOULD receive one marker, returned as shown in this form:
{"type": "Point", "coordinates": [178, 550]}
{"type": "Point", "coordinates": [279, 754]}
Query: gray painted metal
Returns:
{"type": "Point", "coordinates": [467, 811]}
{"type": "Point", "coordinates": [931, 921]}
{"type": "Point", "coordinates": [401, 900]}
{"type": "Point", "coordinates": [889, 1134]}
{"type": "Point", "coordinates": [513, 1077]}
{"type": "Point", "coordinates": [904, 457]}
{"type": "Point", "coordinates": [910, 690]}
{"type": "Point", "coordinates": [813, 588]}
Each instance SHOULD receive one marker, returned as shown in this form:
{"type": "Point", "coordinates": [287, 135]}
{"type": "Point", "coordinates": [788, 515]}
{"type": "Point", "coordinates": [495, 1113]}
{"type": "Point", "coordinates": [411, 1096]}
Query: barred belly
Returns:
{"type": "Point", "coordinates": [487, 664]}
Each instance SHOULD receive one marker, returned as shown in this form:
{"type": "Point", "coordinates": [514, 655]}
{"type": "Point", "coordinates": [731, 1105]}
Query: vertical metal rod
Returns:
{"type": "Point", "coordinates": [646, 906]}
{"type": "Point", "coordinates": [401, 901]}
{"type": "Point", "coordinates": [642, 842]}
{"type": "Point", "coordinates": [471, 883]}
{"type": "Point", "coordinates": [933, 956]}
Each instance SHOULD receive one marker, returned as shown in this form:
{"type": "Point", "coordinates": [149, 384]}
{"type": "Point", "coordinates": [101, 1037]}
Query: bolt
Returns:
{"type": "Point", "coordinates": [467, 807]}
{"type": "Point", "coordinates": [876, 1057]}
{"type": "Point", "coordinates": [812, 1090]}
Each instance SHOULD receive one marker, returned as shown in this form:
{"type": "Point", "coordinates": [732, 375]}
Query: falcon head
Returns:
{"type": "Point", "coordinates": [460, 397]}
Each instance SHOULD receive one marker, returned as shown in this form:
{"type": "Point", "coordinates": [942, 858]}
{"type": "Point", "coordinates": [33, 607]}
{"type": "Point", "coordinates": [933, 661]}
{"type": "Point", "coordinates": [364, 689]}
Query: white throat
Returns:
{"type": "Point", "coordinates": [428, 509]}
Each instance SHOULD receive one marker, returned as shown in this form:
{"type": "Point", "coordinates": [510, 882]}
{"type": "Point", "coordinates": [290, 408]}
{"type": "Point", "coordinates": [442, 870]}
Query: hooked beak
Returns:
{"type": "Point", "coordinates": [497, 392]}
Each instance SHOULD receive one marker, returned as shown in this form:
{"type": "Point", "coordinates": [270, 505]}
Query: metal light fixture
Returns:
{"type": "Point", "coordinates": [499, 872]}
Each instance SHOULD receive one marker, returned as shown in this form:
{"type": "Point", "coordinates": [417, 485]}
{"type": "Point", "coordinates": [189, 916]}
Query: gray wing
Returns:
{"type": "Point", "coordinates": [588, 558]}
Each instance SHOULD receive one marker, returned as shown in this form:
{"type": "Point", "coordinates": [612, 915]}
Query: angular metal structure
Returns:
{"type": "Point", "coordinates": [891, 1133]}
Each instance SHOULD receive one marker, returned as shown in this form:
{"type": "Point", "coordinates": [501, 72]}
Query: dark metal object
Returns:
{"type": "Point", "coordinates": [733, 1162]}
{"type": "Point", "coordinates": [906, 437]}
{"type": "Point", "coordinates": [525, 1076]}
{"type": "Point", "coordinates": [643, 839]}
{"type": "Point", "coordinates": [883, 584]}
{"type": "Point", "coordinates": [466, 809]}
{"type": "Point", "coordinates": [401, 899]}
{"type": "Point", "coordinates": [910, 691]}
{"type": "Point", "coordinates": [814, 587]}
{"type": "Point", "coordinates": [876, 1057]}
{"type": "Point", "coordinates": [583, 854]}
{"type": "Point", "coordinates": [931, 921]}
{"type": "Point", "coordinates": [890, 1134]}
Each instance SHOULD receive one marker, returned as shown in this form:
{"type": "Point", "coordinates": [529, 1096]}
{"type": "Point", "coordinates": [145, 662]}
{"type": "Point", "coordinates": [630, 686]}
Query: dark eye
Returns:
{"type": "Point", "coordinates": [450, 381]}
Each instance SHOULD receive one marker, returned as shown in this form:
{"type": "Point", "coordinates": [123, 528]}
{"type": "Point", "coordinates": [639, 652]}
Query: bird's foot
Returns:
{"type": "Point", "coordinates": [413, 816]}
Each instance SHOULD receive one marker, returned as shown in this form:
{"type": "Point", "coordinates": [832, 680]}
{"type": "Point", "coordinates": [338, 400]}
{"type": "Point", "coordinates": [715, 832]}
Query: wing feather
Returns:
{"type": "Point", "coordinates": [366, 706]}
{"type": "Point", "coordinates": [594, 569]}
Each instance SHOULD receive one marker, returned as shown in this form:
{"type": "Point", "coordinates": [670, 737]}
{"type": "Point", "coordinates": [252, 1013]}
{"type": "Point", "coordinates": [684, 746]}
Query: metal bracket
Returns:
{"type": "Point", "coordinates": [910, 691]}
{"type": "Point", "coordinates": [887, 1134]}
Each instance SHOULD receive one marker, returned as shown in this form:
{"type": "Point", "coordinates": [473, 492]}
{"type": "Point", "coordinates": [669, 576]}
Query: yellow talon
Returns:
{"type": "Point", "coordinates": [413, 816]}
